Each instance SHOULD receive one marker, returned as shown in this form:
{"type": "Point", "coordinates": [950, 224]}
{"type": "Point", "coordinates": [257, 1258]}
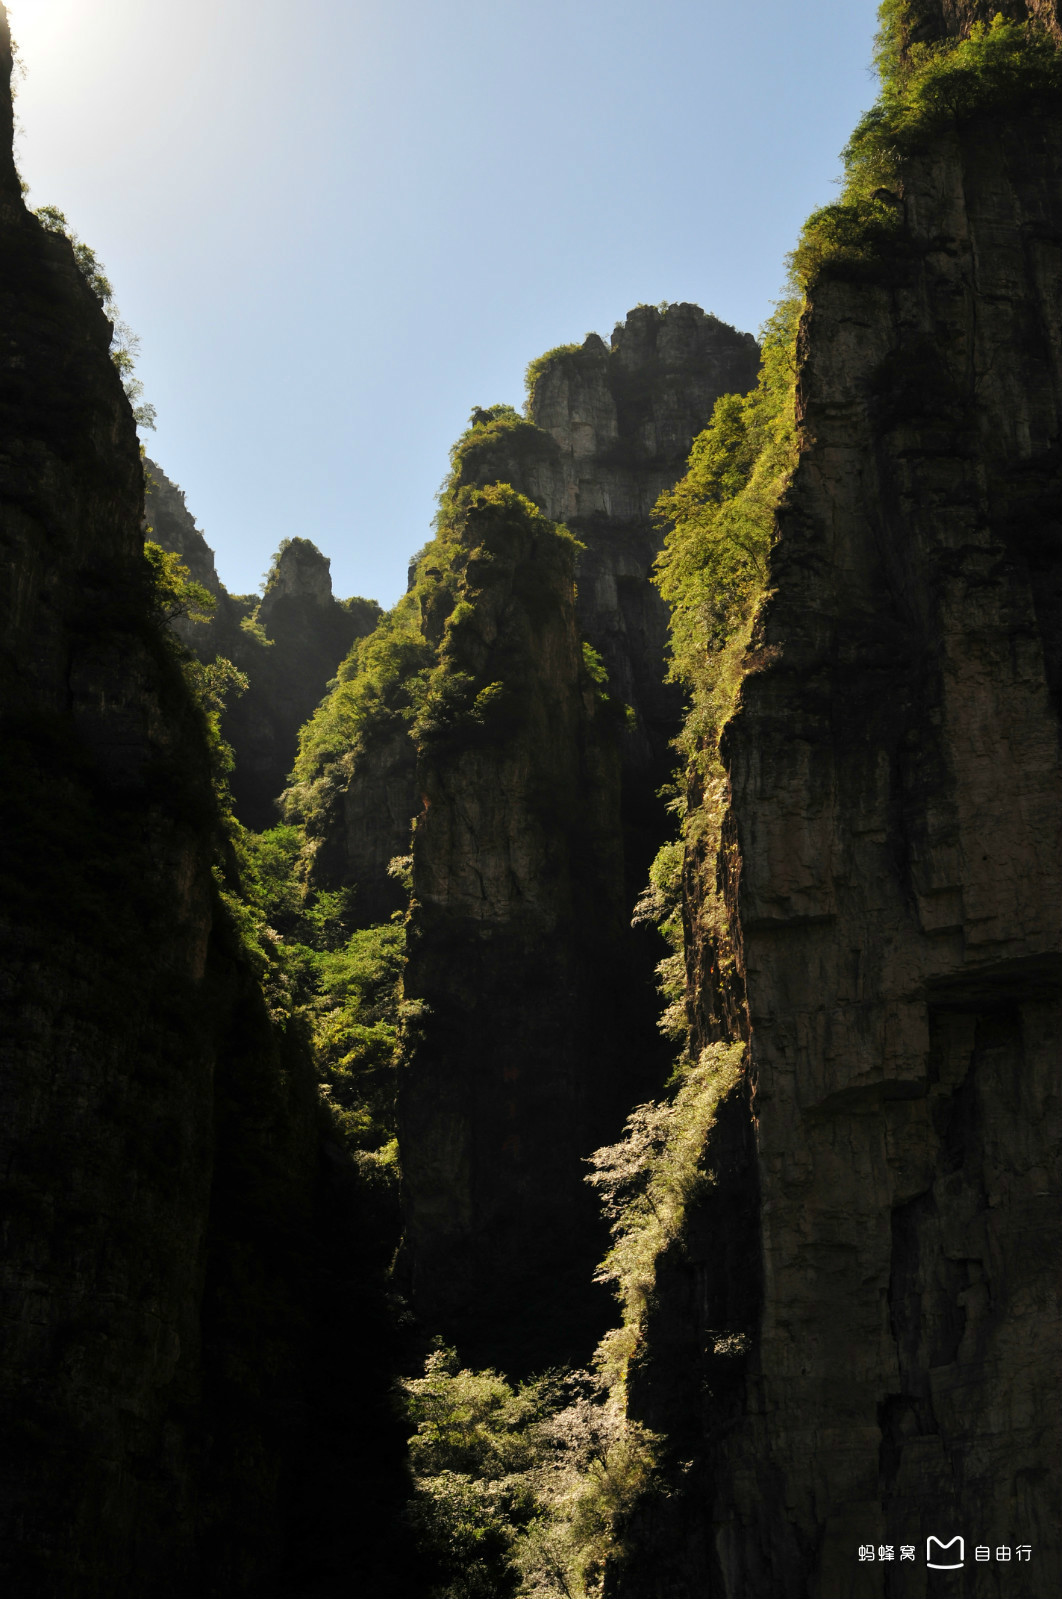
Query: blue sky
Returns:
{"type": "Point", "coordinates": [336, 228]}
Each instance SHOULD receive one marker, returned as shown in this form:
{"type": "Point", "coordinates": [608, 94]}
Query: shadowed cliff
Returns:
{"type": "Point", "coordinates": [536, 1004]}
{"type": "Point", "coordinates": [182, 1261]}
{"type": "Point", "coordinates": [892, 873]}
{"type": "Point", "coordinates": [522, 1042]}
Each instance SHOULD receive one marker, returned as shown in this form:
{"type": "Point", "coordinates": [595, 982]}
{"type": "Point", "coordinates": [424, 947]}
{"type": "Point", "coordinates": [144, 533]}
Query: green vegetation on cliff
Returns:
{"type": "Point", "coordinates": [648, 1180]}
{"type": "Point", "coordinates": [520, 1489]}
{"type": "Point", "coordinates": [422, 676]}
{"type": "Point", "coordinates": [338, 987]}
{"type": "Point", "coordinates": [498, 440]}
{"type": "Point", "coordinates": [720, 515]}
{"type": "Point", "coordinates": [342, 984]}
{"type": "Point", "coordinates": [925, 89]}
{"type": "Point", "coordinates": [524, 1490]}
{"type": "Point", "coordinates": [378, 690]}
{"type": "Point", "coordinates": [174, 596]}
{"type": "Point", "coordinates": [419, 673]}
{"type": "Point", "coordinates": [460, 703]}
{"type": "Point", "coordinates": [541, 364]}
{"type": "Point", "coordinates": [382, 685]}
{"type": "Point", "coordinates": [713, 571]}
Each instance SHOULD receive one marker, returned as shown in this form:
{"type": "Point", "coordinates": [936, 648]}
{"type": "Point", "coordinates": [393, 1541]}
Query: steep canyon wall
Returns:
{"type": "Point", "coordinates": [892, 868]}
{"type": "Point", "coordinates": [856, 1340]}
{"type": "Point", "coordinates": [518, 973]}
{"type": "Point", "coordinates": [178, 1234]}
{"type": "Point", "coordinates": [528, 853]}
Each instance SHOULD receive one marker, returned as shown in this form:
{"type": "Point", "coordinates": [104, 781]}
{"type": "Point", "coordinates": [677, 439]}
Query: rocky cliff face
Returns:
{"type": "Point", "coordinates": [164, 1180]}
{"type": "Point", "coordinates": [614, 429]}
{"type": "Point", "coordinates": [170, 523]}
{"type": "Point", "coordinates": [517, 1059]}
{"type": "Point", "coordinates": [300, 632]}
{"type": "Point", "coordinates": [370, 828]}
{"type": "Point", "coordinates": [531, 844]}
{"type": "Point", "coordinates": [308, 632]}
{"type": "Point", "coordinates": [893, 873]}
{"type": "Point", "coordinates": [607, 430]}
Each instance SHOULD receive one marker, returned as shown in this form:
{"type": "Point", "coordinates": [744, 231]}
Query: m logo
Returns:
{"type": "Point", "coordinates": [944, 1556]}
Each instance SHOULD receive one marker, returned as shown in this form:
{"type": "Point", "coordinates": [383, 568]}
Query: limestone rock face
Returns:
{"type": "Point", "coordinates": [307, 632]}
{"type": "Point", "coordinates": [615, 428]}
{"type": "Point", "coordinates": [608, 430]}
{"type": "Point", "coordinates": [371, 828]}
{"type": "Point", "coordinates": [531, 843]}
{"type": "Point", "coordinates": [895, 878]}
{"type": "Point", "coordinates": [300, 574]}
{"type": "Point", "coordinates": [170, 523]}
{"type": "Point", "coordinates": [524, 1047]}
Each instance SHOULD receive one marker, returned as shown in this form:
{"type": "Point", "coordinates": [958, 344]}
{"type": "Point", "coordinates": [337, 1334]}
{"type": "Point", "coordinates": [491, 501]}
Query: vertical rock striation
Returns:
{"type": "Point", "coordinates": [516, 959]}
{"type": "Point", "coordinates": [614, 430]}
{"type": "Point", "coordinates": [894, 880]}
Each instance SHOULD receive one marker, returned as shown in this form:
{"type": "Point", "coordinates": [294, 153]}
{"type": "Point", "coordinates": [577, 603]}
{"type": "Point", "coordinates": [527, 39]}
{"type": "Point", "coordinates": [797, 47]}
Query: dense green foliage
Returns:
{"type": "Point", "coordinates": [124, 342]}
{"type": "Point", "coordinates": [483, 416]}
{"type": "Point", "coordinates": [463, 700]}
{"type": "Point", "coordinates": [925, 88]}
{"type": "Point", "coordinates": [418, 674]}
{"type": "Point", "coordinates": [381, 686]}
{"type": "Point", "coordinates": [661, 905]}
{"type": "Point", "coordinates": [713, 568]}
{"type": "Point", "coordinates": [173, 596]}
{"type": "Point", "coordinates": [497, 444]}
{"type": "Point", "coordinates": [173, 592]}
{"type": "Point", "coordinates": [889, 42]}
{"type": "Point", "coordinates": [343, 985]}
{"type": "Point", "coordinates": [356, 1013]}
{"type": "Point", "coordinates": [521, 1489]}
{"type": "Point", "coordinates": [527, 1489]}
{"type": "Point", "coordinates": [648, 1179]}
{"type": "Point", "coordinates": [420, 678]}
{"type": "Point", "coordinates": [340, 987]}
